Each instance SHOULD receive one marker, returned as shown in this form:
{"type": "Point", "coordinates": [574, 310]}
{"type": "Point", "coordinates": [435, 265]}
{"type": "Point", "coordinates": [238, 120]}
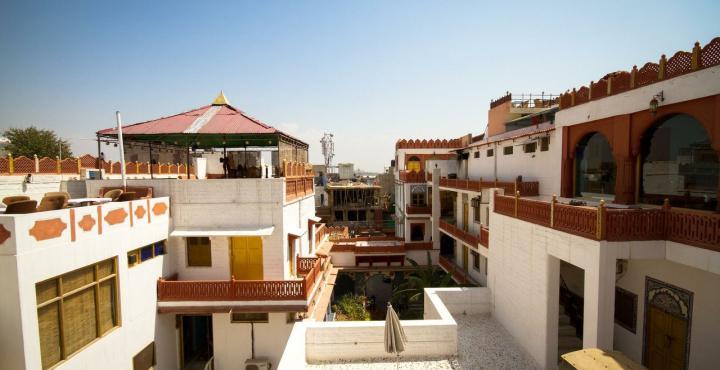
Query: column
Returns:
{"type": "Point", "coordinates": [436, 208]}
{"type": "Point", "coordinates": [599, 298]}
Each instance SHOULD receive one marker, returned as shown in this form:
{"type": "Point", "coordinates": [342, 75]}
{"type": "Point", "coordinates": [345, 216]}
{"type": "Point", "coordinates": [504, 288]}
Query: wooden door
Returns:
{"type": "Point", "coordinates": [666, 341]}
{"type": "Point", "coordinates": [246, 258]}
{"type": "Point", "coordinates": [466, 214]}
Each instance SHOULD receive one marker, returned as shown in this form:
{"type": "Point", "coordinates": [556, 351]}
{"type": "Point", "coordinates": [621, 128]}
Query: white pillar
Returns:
{"type": "Point", "coordinates": [599, 299]}
{"type": "Point", "coordinates": [436, 208]}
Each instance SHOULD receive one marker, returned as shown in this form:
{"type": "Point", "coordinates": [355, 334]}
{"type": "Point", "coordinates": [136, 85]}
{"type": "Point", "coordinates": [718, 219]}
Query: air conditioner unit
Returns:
{"type": "Point", "coordinates": [91, 174]}
{"type": "Point", "coordinates": [260, 363]}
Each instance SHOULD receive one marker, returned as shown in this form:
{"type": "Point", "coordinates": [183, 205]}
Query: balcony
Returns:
{"type": "Point", "coordinates": [460, 234]}
{"type": "Point", "coordinates": [418, 210]}
{"type": "Point", "coordinates": [526, 188]}
{"type": "Point", "coordinates": [413, 177]}
{"type": "Point", "coordinates": [240, 290]}
{"type": "Point", "coordinates": [696, 228]}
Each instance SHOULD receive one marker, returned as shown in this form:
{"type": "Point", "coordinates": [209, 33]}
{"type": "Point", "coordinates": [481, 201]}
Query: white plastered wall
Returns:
{"type": "Point", "coordinates": [232, 341]}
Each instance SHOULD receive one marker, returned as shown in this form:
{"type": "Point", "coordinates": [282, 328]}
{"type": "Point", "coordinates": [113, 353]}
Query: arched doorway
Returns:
{"type": "Point", "coordinates": [413, 164]}
{"type": "Point", "coordinates": [679, 164]}
{"type": "Point", "coordinates": [594, 168]}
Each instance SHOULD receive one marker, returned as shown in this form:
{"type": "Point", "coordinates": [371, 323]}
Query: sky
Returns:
{"type": "Point", "coordinates": [370, 72]}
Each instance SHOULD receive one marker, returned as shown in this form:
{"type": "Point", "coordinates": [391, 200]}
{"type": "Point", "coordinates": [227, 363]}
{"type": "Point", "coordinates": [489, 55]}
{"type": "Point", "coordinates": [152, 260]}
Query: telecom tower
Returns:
{"type": "Point", "coordinates": [328, 149]}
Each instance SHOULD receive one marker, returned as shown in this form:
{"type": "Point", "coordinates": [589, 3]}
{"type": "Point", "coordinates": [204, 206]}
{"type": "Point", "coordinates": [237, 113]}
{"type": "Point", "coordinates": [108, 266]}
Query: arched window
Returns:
{"type": "Point", "coordinates": [595, 168]}
{"type": "Point", "coordinates": [678, 163]}
{"type": "Point", "coordinates": [413, 164]}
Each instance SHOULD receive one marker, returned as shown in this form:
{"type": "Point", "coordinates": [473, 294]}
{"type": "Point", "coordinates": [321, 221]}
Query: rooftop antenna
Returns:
{"type": "Point", "coordinates": [328, 149]}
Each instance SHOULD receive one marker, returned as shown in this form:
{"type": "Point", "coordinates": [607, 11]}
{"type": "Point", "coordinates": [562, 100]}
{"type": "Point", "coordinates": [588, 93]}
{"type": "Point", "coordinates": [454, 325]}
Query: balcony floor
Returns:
{"type": "Point", "coordinates": [482, 344]}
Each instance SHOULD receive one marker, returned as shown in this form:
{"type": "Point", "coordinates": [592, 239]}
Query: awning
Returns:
{"type": "Point", "coordinates": [297, 232]}
{"type": "Point", "coordinates": [229, 231]}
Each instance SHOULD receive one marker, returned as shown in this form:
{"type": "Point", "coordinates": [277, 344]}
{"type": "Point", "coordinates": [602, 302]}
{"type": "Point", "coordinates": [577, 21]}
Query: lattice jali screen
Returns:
{"type": "Point", "coordinates": [47, 165]}
{"type": "Point", "coordinates": [678, 64]}
{"type": "Point", "coordinates": [710, 54]}
{"type": "Point", "coordinates": [116, 167]}
{"type": "Point", "coordinates": [69, 165]}
{"type": "Point", "coordinates": [131, 167]}
{"type": "Point", "coordinates": [24, 164]}
{"type": "Point", "coordinates": [620, 82]}
{"type": "Point", "coordinates": [143, 168]}
{"type": "Point", "coordinates": [582, 95]}
{"type": "Point", "coordinates": [88, 161]}
{"type": "Point", "coordinates": [4, 165]}
{"type": "Point", "coordinates": [647, 74]}
{"type": "Point", "coordinates": [599, 89]}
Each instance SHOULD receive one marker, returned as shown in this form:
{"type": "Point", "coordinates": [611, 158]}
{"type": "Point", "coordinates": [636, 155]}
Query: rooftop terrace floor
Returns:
{"type": "Point", "coordinates": [482, 344]}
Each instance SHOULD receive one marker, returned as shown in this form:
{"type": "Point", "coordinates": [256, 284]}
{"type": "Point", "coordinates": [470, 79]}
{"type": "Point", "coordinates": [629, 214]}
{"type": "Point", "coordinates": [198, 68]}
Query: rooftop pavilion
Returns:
{"type": "Point", "coordinates": [234, 143]}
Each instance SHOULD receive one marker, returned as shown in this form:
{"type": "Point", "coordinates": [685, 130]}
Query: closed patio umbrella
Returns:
{"type": "Point", "coordinates": [395, 338]}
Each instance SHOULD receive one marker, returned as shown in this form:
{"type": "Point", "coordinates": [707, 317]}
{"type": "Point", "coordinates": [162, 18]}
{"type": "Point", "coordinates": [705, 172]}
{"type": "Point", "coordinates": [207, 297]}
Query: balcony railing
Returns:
{"type": "Point", "coordinates": [526, 188]}
{"type": "Point", "coordinates": [457, 272]}
{"type": "Point", "coordinates": [412, 177]}
{"type": "Point", "coordinates": [485, 237]}
{"type": "Point", "coordinates": [418, 210]}
{"type": "Point", "coordinates": [240, 290]}
{"type": "Point", "coordinates": [696, 228]}
{"type": "Point", "coordinates": [305, 264]}
{"type": "Point", "coordinates": [298, 187]}
{"type": "Point", "coordinates": [459, 233]}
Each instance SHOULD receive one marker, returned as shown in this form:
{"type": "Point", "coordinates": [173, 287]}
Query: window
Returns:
{"type": "Point", "coordinates": [626, 309]}
{"type": "Point", "coordinates": [76, 308]}
{"type": "Point", "coordinates": [198, 252]}
{"type": "Point", "coordinates": [136, 256]}
{"type": "Point", "coordinates": [362, 215]}
{"type": "Point", "coordinates": [490, 152]}
{"type": "Point", "coordinates": [417, 232]}
{"type": "Point", "coordinates": [475, 203]}
{"type": "Point", "coordinates": [339, 216]}
{"type": "Point", "coordinates": [248, 317]}
{"type": "Point", "coordinates": [418, 199]}
{"type": "Point", "coordinates": [508, 150]}
{"type": "Point", "coordinates": [595, 167]}
{"type": "Point", "coordinates": [476, 260]}
{"type": "Point", "coordinates": [145, 359]}
{"type": "Point", "coordinates": [352, 215]}
{"type": "Point", "coordinates": [476, 154]}
{"type": "Point", "coordinates": [530, 147]}
{"type": "Point", "coordinates": [476, 214]}
{"type": "Point", "coordinates": [544, 144]}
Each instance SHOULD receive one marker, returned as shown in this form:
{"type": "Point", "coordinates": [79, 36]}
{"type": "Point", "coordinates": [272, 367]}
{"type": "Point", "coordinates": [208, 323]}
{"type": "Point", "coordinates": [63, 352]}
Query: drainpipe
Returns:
{"type": "Point", "coordinates": [122, 150]}
{"type": "Point", "coordinates": [436, 208]}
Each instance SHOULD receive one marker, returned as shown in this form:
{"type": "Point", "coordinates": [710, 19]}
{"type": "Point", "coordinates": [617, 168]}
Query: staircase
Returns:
{"type": "Point", "coordinates": [567, 335]}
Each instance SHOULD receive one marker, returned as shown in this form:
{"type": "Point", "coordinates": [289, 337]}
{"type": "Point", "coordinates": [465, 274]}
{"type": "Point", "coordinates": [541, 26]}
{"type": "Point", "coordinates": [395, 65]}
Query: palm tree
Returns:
{"type": "Point", "coordinates": [410, 292]}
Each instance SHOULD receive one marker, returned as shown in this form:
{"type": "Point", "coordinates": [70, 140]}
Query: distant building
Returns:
{"type": "Point", "coordinates": [346, 171]}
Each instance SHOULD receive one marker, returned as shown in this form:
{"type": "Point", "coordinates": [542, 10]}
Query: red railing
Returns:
{"type": "Point", "coordinates": [485, 237]}
{"type": "Point", "coordinates": [412, 176]}
{"type": "Point", "coordinates": [696, 228]}
{"type": "Point", "coordinates": [457, 272]}
{"type": "Point", "coordinates": [47, 165]}
{"type": "Point", "coordinates": [298, 187]}
{"type": "Point", "coordinates": [680, 63]}
{"type": "Point", "coordinates": [459, 233]}
{"type": "Point", "coordinates": [320, 233]}
{"type": "Point", "coordinates": [530, 188]}
{"type": "Point", "coordinates": [418, 210]}
{"type": "Point", "coordinates": [238, 290]}
{"type": "Point", "coordinates": [305, 264]}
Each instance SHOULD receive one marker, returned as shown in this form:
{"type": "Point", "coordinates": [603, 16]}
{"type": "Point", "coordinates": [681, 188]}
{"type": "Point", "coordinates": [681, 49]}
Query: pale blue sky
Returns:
{"type": "Point", "coordinates": [368, 71]}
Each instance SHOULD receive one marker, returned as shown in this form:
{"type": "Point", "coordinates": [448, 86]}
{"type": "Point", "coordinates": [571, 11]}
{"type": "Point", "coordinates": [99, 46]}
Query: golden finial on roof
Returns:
{"type": "Point", "coordinates": [221, 99]}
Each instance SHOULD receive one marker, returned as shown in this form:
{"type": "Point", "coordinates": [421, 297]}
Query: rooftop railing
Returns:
{"type": "Point", "coordinates": [681, 63]}
{"type": "Point", "coordinates": [412, 176]}
{"type": "Point", "coordinates": [21, 165]}
{"type": "Point", "coordinates": [696, 228]}
{"type": "Point", "coordinates": [457, 272]}
{"type": "Point", "coordinates": [418, 210]}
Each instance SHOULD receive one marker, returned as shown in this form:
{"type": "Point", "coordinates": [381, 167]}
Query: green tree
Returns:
{"type": "Point", "coordinates": [33, 141]}
{"type": "Point", "coordinates": [407, 296]}
{"type": "Point", "coordinates": [351, 308]}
